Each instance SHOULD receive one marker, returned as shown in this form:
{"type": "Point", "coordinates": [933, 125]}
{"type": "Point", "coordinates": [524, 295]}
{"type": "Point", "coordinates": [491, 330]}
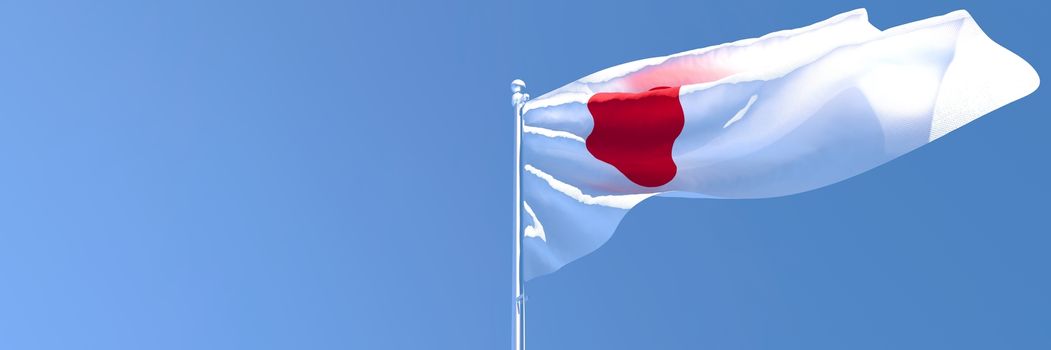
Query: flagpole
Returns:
{"type": "Point", "coordinates": [518, 100]}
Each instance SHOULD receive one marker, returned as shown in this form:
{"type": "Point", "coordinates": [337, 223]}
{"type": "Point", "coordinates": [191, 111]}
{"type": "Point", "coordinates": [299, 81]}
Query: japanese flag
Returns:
{"type": "Point", "coordinates": [788, 112]}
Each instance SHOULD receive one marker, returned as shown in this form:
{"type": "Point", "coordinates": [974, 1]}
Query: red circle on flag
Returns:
{"type": "Point", "coordinates": [635, 132]}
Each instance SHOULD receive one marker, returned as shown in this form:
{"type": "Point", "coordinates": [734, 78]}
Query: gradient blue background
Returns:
{"type": "Point", "coordinates": [337, 175]}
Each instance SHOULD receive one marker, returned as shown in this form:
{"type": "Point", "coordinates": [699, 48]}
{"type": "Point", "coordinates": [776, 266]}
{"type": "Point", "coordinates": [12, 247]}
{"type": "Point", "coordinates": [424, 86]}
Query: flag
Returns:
{"type": "Point", "coordinates": [781, 114]}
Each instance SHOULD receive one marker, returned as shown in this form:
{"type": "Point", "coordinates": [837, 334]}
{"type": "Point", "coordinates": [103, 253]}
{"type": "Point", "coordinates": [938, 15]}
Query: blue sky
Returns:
{"type": "Point", "coordinates": [337, 175]}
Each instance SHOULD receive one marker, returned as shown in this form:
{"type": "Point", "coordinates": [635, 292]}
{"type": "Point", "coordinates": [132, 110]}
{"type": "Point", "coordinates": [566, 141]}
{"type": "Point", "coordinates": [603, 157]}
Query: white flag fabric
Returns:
{"type": "Point", "coordinates": [785, 113]}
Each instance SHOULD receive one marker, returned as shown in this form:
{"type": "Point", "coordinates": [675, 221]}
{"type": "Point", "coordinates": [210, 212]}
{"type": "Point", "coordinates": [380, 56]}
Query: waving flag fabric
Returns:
{"type": "Point", "coordinates": [785, 113]}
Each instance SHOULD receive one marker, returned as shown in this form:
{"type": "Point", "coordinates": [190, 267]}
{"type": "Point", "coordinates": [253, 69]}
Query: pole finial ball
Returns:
{"type": "Point", "coordinates": [517, 85]}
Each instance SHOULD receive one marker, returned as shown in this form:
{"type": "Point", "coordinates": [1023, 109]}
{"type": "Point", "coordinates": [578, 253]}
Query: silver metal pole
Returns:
{"type": "Point", "coordinates": [518, 99]}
